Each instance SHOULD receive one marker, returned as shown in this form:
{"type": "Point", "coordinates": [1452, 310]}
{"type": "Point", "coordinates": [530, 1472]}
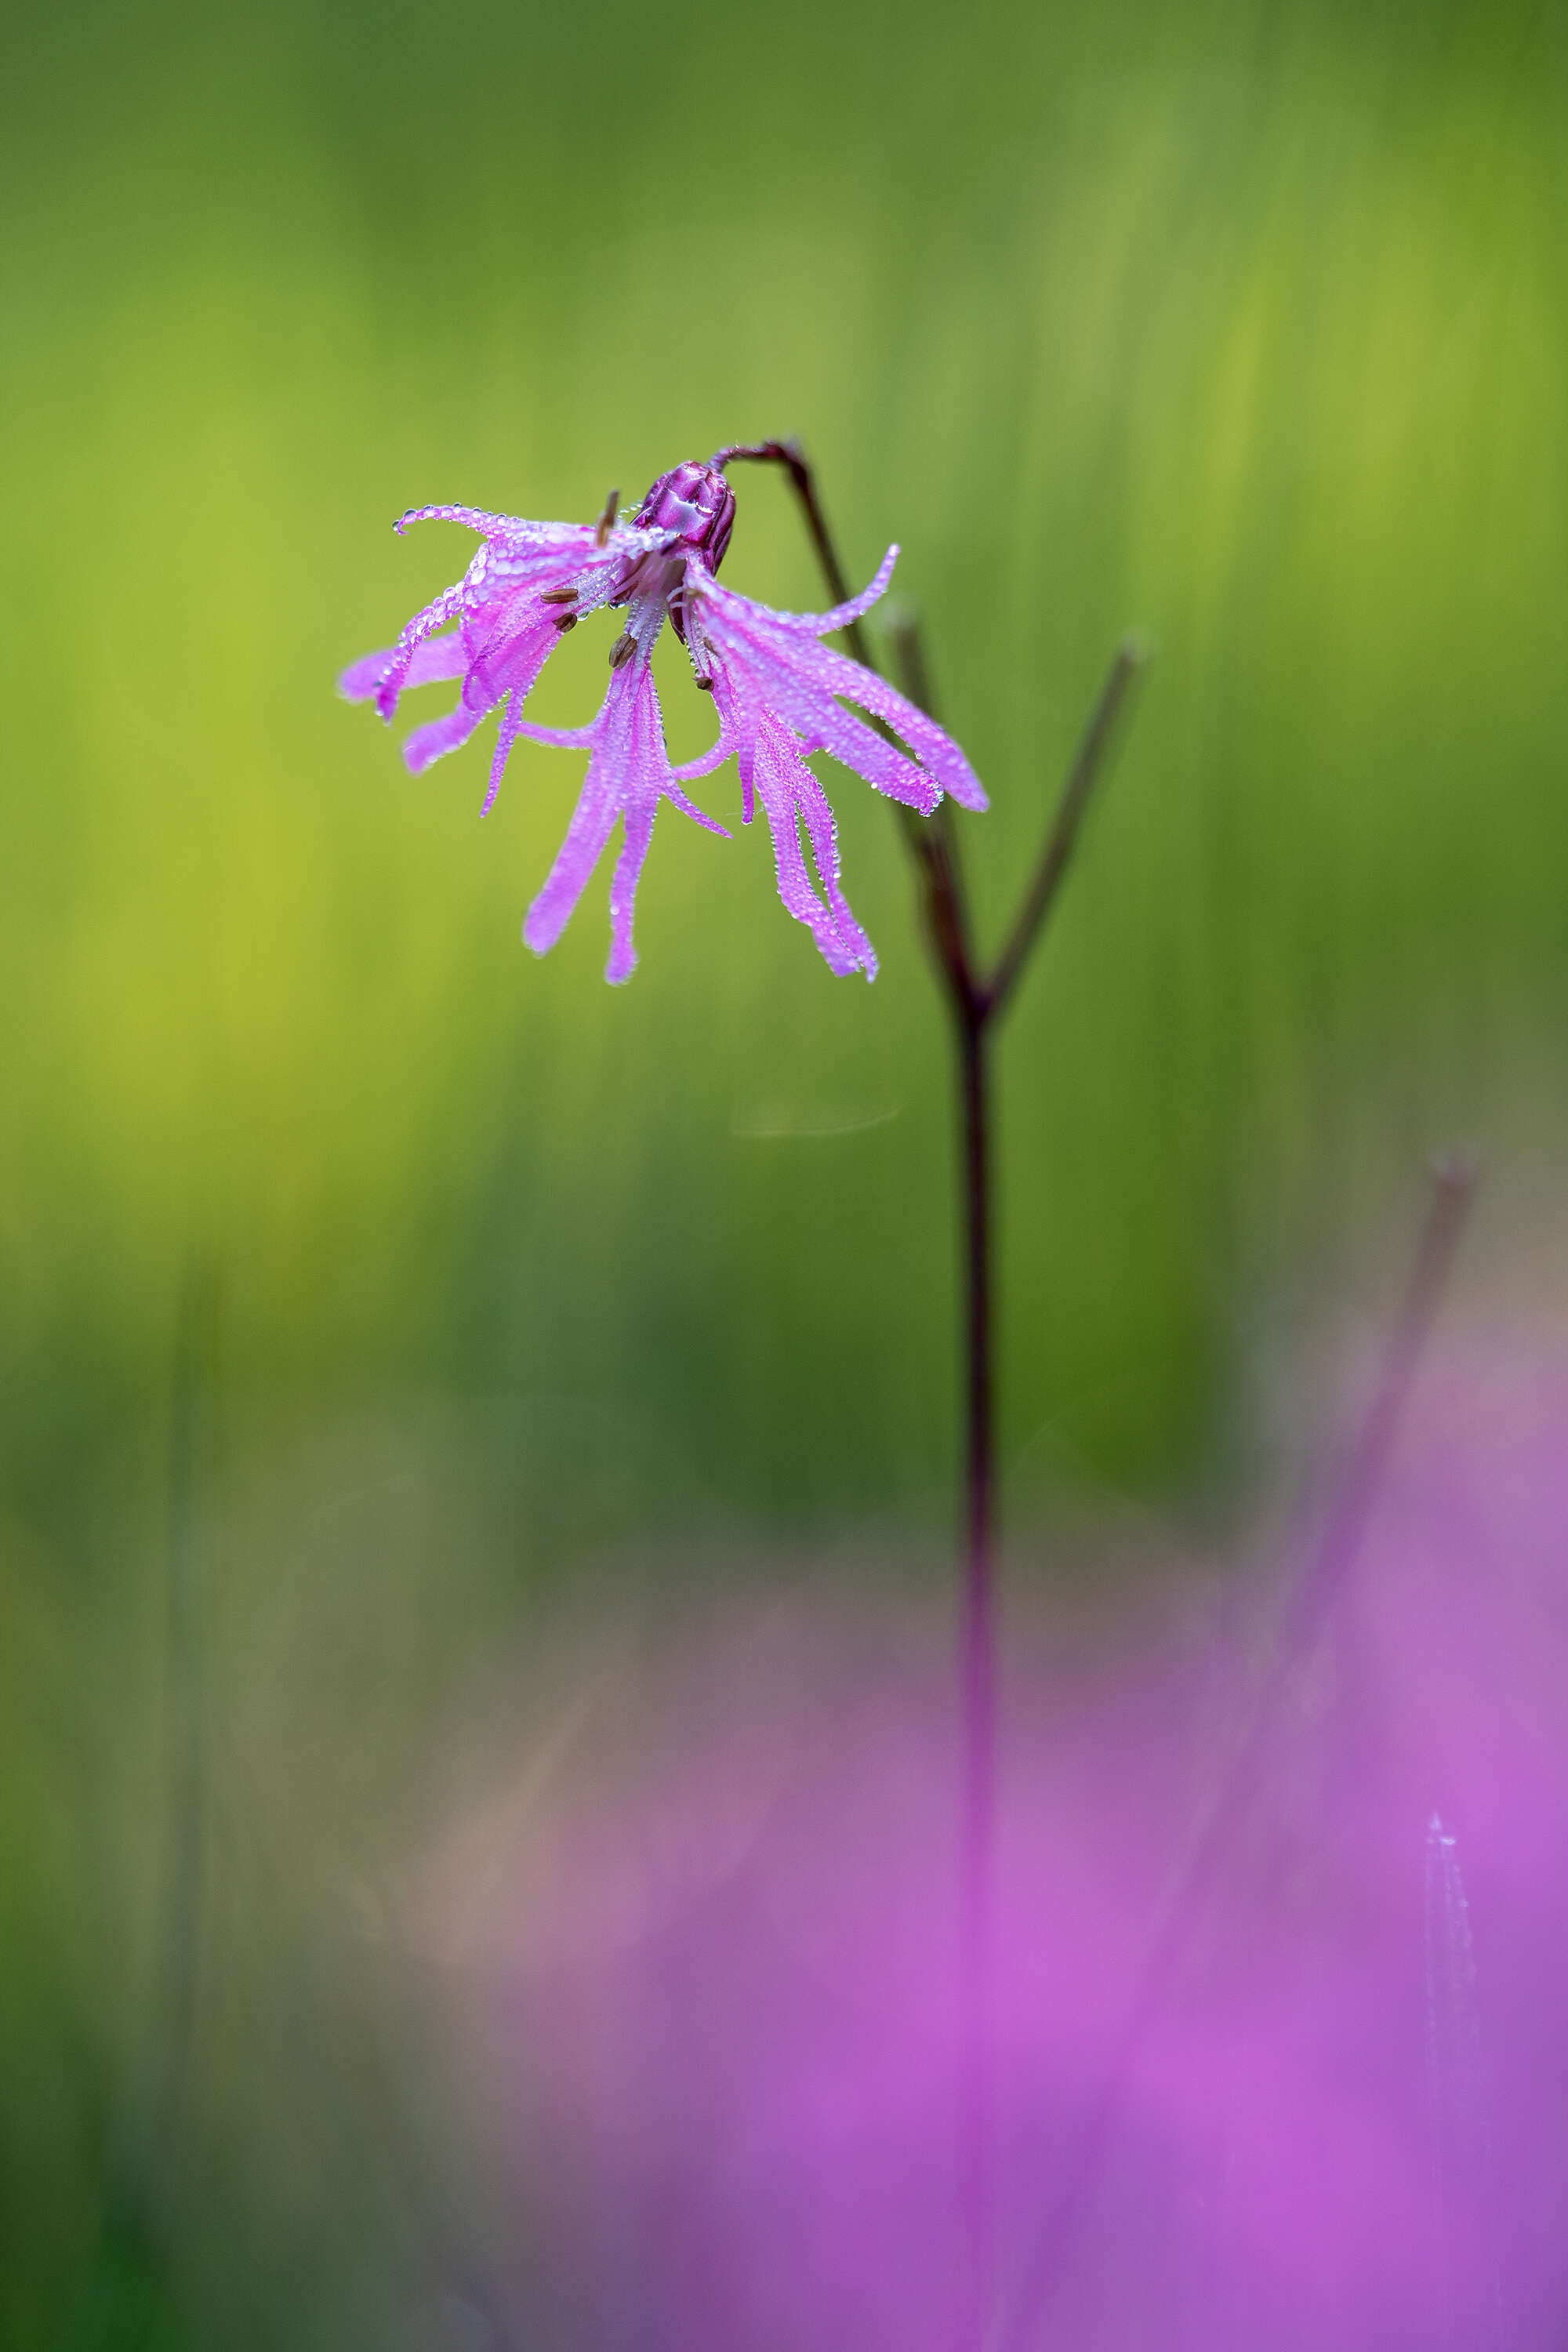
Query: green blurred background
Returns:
{"type": "Point", "coordinates": [1246, 324]}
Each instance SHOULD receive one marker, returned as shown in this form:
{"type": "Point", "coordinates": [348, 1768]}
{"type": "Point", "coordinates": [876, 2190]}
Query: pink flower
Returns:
{"type": "Point", "coordinates": [779, 694]}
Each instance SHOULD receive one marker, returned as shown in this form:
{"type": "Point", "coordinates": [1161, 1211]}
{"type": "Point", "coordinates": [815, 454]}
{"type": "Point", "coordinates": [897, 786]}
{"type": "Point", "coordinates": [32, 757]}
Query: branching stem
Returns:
{"type": "Point", "coordinates": [1057, 846]}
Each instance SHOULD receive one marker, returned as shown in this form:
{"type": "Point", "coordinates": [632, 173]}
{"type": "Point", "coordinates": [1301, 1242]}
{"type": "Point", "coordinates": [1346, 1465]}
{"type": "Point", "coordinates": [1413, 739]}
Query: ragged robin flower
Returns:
{"type": "Point", "coordinates": [780, 693]}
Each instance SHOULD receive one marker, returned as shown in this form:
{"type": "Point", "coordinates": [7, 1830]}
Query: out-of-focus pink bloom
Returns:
{"type": "Point", "coordinates": [779, 694]}
{"type": "Point", "coordinates": [708, 1947]}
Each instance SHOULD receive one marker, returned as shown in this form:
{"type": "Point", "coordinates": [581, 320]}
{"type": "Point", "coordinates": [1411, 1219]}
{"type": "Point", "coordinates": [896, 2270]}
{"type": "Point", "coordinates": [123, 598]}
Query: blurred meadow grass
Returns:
{"type": "Point", "coordinates": [1243, 324]}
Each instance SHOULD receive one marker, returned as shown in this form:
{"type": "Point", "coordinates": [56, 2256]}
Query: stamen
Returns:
{"type": "Point", "coordinates": [623, 649]}
{"type": "Point", "coordinates": [558, 596]}
{"type": "Point", "coordinates": [704, 684]}
{"type": "Point", "coordinates": [606, 521]}
{"type": "Point", "coordinates": [565, 621]}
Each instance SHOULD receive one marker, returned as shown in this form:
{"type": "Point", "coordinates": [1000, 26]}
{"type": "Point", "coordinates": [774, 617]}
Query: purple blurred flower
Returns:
{"type": "Point", "coordinates": [780, 693]}
{"type": "Point", "coordinates": [702, 1952]}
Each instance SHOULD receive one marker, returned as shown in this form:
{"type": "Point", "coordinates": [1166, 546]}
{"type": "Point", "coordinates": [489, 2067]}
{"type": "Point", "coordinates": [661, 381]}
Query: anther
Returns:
{"type": "Point", "coordinates": [706, 684]}
{"type": "Point", "coordinates": [558, 596]}
{"type": "Point", "coordinates": [565, 621]}
{"type": "Point", "coordinates": [623, 649]}
{"type": "Point", "coordinates": [606, 521]}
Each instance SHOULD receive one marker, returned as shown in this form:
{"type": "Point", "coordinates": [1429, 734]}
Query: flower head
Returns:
{"type": "Point", "coordinates": [779, 691]}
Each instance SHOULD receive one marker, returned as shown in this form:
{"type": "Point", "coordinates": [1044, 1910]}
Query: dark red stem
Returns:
{"type": "Point", "coordinates": [979, 1670]}
{"type": "Point", "coordinates": [976, 1000]}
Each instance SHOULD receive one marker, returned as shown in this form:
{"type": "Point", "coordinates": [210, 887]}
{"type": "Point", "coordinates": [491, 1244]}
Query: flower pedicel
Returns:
{"type": "Point", "coordinates": [779, 691]}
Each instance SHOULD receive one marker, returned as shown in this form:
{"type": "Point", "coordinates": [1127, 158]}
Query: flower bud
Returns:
{"type": "Point", "coordinates": [697, 502]}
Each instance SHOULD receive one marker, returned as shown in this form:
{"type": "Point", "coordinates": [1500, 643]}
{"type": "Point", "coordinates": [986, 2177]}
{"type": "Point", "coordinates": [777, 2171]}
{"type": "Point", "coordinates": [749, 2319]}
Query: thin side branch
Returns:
{"type": "Point", "coordinates": [1126, 663]}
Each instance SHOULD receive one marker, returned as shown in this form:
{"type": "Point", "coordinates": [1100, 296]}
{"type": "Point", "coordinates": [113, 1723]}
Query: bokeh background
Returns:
{"type": "Point", "coordinates": [375, 1292]}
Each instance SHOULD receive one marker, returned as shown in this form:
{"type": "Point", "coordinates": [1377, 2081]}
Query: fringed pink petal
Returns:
{"type": "Point", "coordinates": [691, 769]}
{"type": "Point", "coordinates": [503, 570]}
{"type": "Point", "coordinates": [678, 799]}
{"type": "Point", "coordinates": [823, 624]}
{"type": "Point", "coordinates": [593, 821]}
{"type": "Point", "coordinates": [427, 744]}
{"type": "Point", "coordinates": [635, 737]}
{"type": "Point", "coordinates": [439, 658]}
{"type": "Point", "coordinates": [634, 740]}
{"type": "Point", "coordinates": [781, 680]}
{"type": "Point", "coordinates": [361, 679]}
{"type": "Point", "coordinates": [938, 753]}
{"type": "Point", "coordinates": [789, 790]}
{"type": "Point", "coordinates": [814, 624]}
{"type": "Point", "coordinates": [737, 726]}
{"type": "Point", "coordinates": [436, 615]}
{"type": "Point", "coordinates": [822, 830]}
{"type": "Point", "coordinates": [803, 679]}
{"type": "Point", "coordinates": [499, 601]}
{"type": "Point", "coordinates": [561, 739]}
{"type": "Point", "coordinates": [885, 768]}
{"type": "Point", "coordinates": [629, 775]}
{"type": "Point", "coordinates": [481, 519]}
{"type": "Point", "coordinates": [509, 660]}
{"type": "Point", "coordinates": [638, 820]}
{"type": "Point", "coordinates": [506, 736]}
{"type": "Point", "coordinates": [442, 657]}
